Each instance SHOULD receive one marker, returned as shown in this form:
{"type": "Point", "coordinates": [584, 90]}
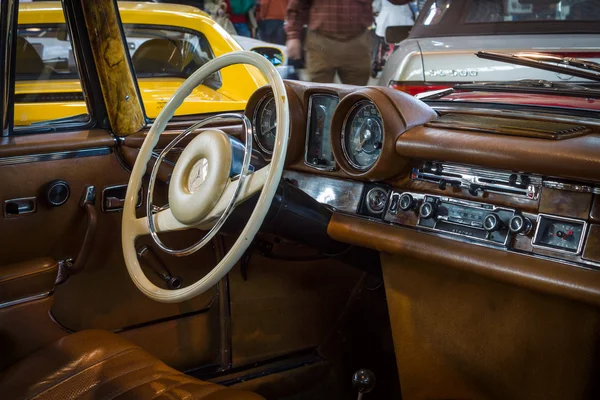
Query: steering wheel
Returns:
{"type": "Point", "coordinates": [207, 205]}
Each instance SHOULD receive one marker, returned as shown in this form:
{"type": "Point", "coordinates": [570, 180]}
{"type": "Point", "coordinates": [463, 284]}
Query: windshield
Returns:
{"type": "Point", "coordinates": [155, 52]}
{"type": "Point", "coordinates": [488, 17]}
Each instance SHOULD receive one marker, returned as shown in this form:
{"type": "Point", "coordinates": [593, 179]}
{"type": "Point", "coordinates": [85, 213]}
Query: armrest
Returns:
{"type": "Point", "coordinates": [27, 278]}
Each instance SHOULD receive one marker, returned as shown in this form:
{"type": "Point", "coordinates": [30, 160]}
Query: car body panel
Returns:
{"type": "Point", "coordinates": [238, 82]}
{"type": "Point", "coordinates": [452, 59]}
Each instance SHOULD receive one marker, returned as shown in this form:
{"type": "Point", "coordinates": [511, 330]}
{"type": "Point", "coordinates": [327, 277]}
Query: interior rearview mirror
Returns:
{"type": "Point", "coordinates": [273, 54]}
{"type": "Point", "coordinates": [396, 34]}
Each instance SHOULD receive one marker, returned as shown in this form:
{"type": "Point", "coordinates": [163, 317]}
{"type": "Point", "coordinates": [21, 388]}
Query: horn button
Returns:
{"type": "Point", "coordinates": [200, 176]}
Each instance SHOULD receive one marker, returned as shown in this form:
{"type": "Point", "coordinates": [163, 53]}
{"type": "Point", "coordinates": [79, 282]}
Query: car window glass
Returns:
{"type": "Point", "coordinates": [480, 11]}
{"type": "Point", "coordinates": [435, 12]}
{"type": "Point", "coordinates": [162, 58]}
{"type": "Point", "coordinates": [48, 88]}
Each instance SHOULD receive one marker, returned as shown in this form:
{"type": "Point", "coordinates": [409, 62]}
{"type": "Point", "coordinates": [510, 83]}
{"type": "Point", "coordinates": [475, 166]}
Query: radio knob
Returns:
{"type": "Point", "coordinates": [492, 222]}
{"type": "Point", "coordinates": [407, 202]}
{"type": "Point", "coordinates": [519, 224]}
{"type": "Point", "coordinates": [427, 210]}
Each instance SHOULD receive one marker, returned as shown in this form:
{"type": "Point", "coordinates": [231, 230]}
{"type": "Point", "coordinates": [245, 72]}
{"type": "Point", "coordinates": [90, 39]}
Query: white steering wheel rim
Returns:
{"type": "Point", "coordinates": [131, 225]}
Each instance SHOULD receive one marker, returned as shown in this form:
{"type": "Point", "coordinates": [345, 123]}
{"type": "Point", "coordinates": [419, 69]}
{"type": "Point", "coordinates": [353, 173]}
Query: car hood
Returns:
{"type": "Point", "coordinates": [453, 58]}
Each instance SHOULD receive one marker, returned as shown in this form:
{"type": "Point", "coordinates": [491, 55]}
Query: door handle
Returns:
{"type": "Point", "coordinates": [15, 207]}
{"type": "Point", "coordinates": [113, 198]}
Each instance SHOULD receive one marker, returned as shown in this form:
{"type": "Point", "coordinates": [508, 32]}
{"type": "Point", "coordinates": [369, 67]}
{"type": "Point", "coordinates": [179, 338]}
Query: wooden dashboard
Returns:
{"type": "Point", "coordinates": [543, 191]}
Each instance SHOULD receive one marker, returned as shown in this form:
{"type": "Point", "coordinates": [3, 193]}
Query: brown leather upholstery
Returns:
{"type": "Point", "coordinates": [101, 365]}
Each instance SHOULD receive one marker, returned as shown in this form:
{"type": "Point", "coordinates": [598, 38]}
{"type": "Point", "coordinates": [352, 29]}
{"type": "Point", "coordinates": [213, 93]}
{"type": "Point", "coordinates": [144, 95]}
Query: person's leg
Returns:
{"type": "Point", "coordinates": [355, 60]}
{"type": "Point", "coordinates": [243, 29]}
{"type": "Point", "coordinates": [278, 33]}
{"type": "Point", "coordinates": [319, 61]}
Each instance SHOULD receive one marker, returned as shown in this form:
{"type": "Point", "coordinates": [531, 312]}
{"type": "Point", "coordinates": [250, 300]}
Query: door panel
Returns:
{"type": "Point", "coordinates": [102, 296]}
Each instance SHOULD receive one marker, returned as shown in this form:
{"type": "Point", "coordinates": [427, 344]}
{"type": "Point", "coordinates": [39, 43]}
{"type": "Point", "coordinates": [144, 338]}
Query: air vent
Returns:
{"type": "Point", "coordinates": [510, 126]}
{"type": "Point", "coordinates": [478, 180]}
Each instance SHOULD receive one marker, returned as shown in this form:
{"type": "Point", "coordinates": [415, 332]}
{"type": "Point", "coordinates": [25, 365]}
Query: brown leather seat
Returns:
{"type": "Point", "coordinates": [101, 365]}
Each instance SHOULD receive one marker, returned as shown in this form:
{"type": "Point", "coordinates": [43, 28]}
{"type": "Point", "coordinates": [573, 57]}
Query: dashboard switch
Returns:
{"type": "Point", "coordinates": [427, 210]}
{"type": "Point", "coordinates": [519, 224]}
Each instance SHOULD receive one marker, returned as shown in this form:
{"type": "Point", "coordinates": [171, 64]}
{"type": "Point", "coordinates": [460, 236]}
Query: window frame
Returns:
{"type": "Point", "coordinates": [77, 44]}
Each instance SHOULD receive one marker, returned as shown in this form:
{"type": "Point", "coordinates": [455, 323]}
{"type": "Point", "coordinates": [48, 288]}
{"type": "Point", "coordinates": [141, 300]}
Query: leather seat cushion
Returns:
{"type": "Point", "coordinates": [101, 365]}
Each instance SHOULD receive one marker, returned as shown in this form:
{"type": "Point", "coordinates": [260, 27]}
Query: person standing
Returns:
{"type": "Point", "coordinates": [272, 16]}
{"type": "Point", "coordinates": [337, 40]}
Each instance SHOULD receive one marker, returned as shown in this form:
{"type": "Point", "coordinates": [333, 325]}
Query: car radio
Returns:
{"type": "Point", "coordinates": [470, 219]}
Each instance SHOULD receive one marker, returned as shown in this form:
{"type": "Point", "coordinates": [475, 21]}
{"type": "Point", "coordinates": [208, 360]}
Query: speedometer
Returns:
{"type": "Point", "coordinates": [362, 135]}
{"type": "Point", "coordinates": [264, 124]}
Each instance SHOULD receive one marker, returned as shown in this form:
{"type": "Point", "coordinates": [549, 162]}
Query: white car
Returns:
{"type": "Point", "coordinates": [440, 49]}
{"type": "Point", "coordinates": [275, 53]}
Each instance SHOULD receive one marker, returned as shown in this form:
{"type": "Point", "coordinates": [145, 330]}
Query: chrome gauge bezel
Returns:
{"type": "Point", "coordinates": [359, 103]}
{"type": "Point", "coordinates": [307, 141]}
{"type": "Point", "coordinates": [255, 119]}
{"type": "Point", "coordinates": [536, 238]}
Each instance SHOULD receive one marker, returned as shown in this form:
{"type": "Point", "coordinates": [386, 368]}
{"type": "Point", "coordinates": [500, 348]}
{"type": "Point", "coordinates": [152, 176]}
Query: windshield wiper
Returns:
{"type": "Point", "coordinates": [548, 62]}
{"type": "Point", "coordinates": [536, 86]}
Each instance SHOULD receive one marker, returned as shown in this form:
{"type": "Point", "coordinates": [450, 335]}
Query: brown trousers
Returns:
{"type": "Point", "coordinates": [350, 59]}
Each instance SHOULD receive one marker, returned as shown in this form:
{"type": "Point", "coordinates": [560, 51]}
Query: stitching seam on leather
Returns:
{"type": "Point", "coordinates": [124, 372]}
{"type": "Point", "coordinates": [153, 377]}
{"type": "Point", "coordinates": [119, 354]}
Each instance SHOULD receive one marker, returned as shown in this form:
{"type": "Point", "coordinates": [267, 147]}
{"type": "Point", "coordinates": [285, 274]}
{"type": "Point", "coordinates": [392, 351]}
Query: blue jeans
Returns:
{"type": "Point", "coordinates": [242, 29]}
{"type": "Point", "coordinates": [271, 30]}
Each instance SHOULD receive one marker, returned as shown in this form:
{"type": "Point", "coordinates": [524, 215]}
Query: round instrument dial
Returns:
{"type": "Point", "coordinates": [265, 124]}
{"type": "Point", "coordinates": [362, 136]}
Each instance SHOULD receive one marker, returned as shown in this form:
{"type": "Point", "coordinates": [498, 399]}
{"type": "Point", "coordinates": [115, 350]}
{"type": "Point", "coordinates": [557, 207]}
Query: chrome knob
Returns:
{"type": "Point", "coordinates": [427, 210]}
{"type": "Point", "coordinates": [407, 202]}
{"type": "Point", "coordinates": [520, 224]}
{"type": "Point", "coordinates": [492, 222]}
{"type": "Point", "coordinates": [363, 380]}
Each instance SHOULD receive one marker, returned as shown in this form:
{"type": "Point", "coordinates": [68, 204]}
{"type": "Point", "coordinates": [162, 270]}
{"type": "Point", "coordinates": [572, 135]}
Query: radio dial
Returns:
{"type": "Point", "coordinates": [427, 210]}
{"type": "Point", "coordinates": [407, 202]}
{"type": "Point", "coordinates": [519, 224]}
{"type": "Point", "coordinates": [492, 222]}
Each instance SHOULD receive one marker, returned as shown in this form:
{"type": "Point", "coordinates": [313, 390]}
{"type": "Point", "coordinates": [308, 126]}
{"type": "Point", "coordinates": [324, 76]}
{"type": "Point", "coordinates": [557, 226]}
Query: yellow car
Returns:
{"type": "Point", "coordinates": [48, 85]}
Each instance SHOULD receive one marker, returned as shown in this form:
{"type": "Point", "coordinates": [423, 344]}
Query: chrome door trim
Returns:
{"type": "Point", "coordinates": [24, 300]}
{"type": "Point", "coordinates": [61, 155]}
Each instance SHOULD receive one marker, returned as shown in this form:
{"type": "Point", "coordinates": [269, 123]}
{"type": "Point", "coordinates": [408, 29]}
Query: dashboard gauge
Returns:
{"type": "Point", "coordinates": [318, 144]}
{"type": "Point", "coordinates": [558, 233]}
{"type": "Point", "coordinates": [362, 135]}
{"type": "Point", "coordinates": [264, 124]}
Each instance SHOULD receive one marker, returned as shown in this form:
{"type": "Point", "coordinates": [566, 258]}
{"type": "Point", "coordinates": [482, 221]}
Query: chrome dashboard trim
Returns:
{"type": "Point", "coordinates": [542, 116]}
{"type": "Point", "coordinates": [61, 155]}
{"type": "Point", "coordinates": [582, 239]}
{"type": "Point", "coordinates": [571, 187]}
{"type": "Point", "coordinates": [308, 164]}
{"type": "Point", "coordinates": [340, 194]}
{"type": "Point", "coordinates": [468, 175]}
{"type": "Point", "coordinates": [255, 119]}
